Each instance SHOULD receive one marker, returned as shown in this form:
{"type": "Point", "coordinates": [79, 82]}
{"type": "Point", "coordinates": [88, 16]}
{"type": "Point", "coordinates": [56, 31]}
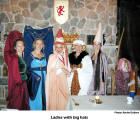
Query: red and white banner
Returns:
{"type": "Point", "coordinates": [61, 10]}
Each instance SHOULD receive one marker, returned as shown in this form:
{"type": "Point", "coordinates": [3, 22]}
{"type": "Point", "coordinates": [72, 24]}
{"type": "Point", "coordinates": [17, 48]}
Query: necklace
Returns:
{"type": "Point", "coordinates": [38, 55]}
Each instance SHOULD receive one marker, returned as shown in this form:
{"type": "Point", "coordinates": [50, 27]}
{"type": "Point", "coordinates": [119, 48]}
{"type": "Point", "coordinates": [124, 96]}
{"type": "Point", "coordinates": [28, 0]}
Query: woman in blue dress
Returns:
{"type": "Point", "coordinates": [36, 71]}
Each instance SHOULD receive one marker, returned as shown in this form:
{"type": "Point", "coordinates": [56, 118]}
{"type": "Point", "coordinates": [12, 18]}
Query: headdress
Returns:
{"type": "Point", "coordinates": [99, 37]}
{"type": "Point", "coordinates": [59, 38]}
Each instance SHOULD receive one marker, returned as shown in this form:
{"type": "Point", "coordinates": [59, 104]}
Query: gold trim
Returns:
{"type": "Point", "coordinates": [69, 38]}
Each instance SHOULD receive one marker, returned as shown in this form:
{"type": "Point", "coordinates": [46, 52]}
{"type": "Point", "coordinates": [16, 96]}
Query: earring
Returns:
{"type": "Point", "coordinates": [84, 48]}
{"type": "Point", "coordinates": [72, 47]}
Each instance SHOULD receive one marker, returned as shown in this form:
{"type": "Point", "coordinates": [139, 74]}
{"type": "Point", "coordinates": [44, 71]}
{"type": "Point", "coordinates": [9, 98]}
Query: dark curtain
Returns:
{"type": "Point", "coordinates": [129, 18]}
{"type": "Point", "coordinates": [46, 34]}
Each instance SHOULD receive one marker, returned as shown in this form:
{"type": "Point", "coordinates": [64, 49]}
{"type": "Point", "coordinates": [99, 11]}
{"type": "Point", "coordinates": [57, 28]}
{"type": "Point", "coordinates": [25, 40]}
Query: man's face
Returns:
{"type": "Point", "coordinates": [59, 48]}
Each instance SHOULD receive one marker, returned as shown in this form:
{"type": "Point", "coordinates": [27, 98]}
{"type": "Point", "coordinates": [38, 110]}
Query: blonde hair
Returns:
{"type": "Point", "coordinates": [36, 41]}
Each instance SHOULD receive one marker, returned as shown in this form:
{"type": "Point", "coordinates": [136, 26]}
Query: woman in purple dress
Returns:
{"type": "Point", "coordinates": [123, 77]}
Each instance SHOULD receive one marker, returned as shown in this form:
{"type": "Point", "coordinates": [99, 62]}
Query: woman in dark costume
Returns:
{"type": "Point", "coordinates": [17, 89]}
{"type": "Point", "coordinates": [100, 67]}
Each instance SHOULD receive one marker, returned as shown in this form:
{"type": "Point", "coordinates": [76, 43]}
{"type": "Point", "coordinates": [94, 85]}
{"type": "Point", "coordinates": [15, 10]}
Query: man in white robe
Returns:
{"type": "Point", "coordinates": [81, 69]}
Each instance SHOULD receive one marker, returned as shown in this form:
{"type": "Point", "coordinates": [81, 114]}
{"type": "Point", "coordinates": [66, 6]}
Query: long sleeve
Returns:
{"type": "Point", "coordinates": [85, 75]}
{"type": "Point", "coordinates": [12, 63]}
{"type": "Point", "coordinates": [104, 68]}
{"type": "Point", "coordinates": [15, 71]}
{"type": "Point", "coordinates": [7, 55]}
{"type": "Point", "coordinates": [28, 59]}
{"type": "Point", "coordinates": [69, 78]}
{"type": "Point", "coordinates": [86, 65]}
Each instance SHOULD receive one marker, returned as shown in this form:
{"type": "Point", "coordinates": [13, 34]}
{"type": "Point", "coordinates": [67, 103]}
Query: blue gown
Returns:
{"type": "Point", "coordinates": [38, 66]}
{"type": "Point", "coordinates": [30, 34]}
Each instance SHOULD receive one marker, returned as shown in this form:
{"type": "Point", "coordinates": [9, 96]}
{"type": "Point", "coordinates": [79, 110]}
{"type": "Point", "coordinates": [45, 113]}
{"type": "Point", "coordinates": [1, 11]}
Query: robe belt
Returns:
{"type": "Point", "coordinates": [77, 66]}
{"type": "Point", "coordinates": [22, 73]}
{"type": "Point", "coordinates": [75, 86]}
{"type": "Point", "coordinates": [39, 69]}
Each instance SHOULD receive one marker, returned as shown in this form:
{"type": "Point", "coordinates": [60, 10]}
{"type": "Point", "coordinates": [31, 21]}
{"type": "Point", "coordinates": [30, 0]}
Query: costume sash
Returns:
{"type": "Point", "coordinates": [75, 87]}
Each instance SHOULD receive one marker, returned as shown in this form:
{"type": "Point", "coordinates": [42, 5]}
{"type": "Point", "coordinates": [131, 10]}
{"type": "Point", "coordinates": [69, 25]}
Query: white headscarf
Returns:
{"type": "Point", "coordinates": [79, 41]}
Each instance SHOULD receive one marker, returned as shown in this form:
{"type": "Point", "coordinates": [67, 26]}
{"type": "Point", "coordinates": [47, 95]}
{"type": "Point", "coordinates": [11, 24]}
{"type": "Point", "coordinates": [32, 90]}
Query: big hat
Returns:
{"type": "Point", "coordinates": [79, 41]}
{"type": "Point", "coordinates": [99, 37]}
{"type": "Point", "coordinates": [59, 37]}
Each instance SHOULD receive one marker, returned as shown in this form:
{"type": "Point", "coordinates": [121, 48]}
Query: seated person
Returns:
{"type": "Point", "coordinates": [123, 77]}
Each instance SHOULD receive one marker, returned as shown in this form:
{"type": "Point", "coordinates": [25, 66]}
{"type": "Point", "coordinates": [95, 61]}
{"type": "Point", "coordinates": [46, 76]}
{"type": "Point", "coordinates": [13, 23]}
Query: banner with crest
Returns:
{"type": "Point", "coordinates": [61, 8]}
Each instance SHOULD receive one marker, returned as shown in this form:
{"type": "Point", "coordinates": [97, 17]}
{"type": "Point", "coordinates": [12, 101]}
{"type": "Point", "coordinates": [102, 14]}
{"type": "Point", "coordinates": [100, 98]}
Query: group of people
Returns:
{"type": "Point", "coordinates": [35, 84]}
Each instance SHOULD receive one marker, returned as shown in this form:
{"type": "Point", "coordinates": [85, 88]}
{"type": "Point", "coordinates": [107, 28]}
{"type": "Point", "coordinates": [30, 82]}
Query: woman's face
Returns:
{"type": "Point", "coordinates": [39, 45]}
{"type": "Point", "coordinates": [125, 67]}
{"type": "Point", "coordinates": [96, 47]}
{"type": "Point", "coordinates": [19, 47]}
{"type": "Point", "coordinates": [59, 48]}
{"type": "Point", "coordinates": [78, 48]}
